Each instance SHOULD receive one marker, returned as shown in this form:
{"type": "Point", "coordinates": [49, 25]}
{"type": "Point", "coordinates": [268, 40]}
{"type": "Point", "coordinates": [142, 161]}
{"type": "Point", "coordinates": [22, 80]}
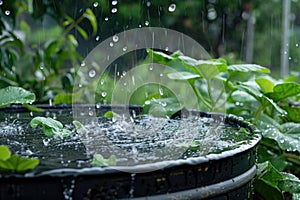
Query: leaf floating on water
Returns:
{"type": "Point", "coordinates": [100, 161]}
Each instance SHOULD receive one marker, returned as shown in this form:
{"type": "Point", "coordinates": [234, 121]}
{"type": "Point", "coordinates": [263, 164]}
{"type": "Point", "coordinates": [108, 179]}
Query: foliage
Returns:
{"type": "Point", "coordinates": [15, 163]}
{"type": "Point", "coordinates": [259, 99]}
{"type": "Point", "coordinates": [15, 95]}
{"type": "Point", "coordinates": [50, 126]}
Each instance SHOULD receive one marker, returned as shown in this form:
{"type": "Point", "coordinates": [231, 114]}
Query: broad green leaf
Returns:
{"type": "Point", "coordinates": [159, 57]}
{"type": "Point", "coordinates": [286, 141]}
{"type": "Point", "coordinates": [241, 96]}
{"type": "Point", "coordinates": [267, 101]}
{"type": "Point", "coordinates": [290, 183]}
{"type": "Point", "coordinates": [265, 84]}
{"type": "Point", "coordinates": [205, 68]}
{"type": "Point", "coordinates": [25, 164]}
{"type": "Point", "coordinates": [183, 75]}
{"type": "Point", "coordinates": [4, 153]}
{"type": "Point", "coordinates": [91, 17]}
{"type": "Point", "coordinates": [251, 89]}
{"type": "Point", "coordinates": [290, 128]}
{"type": "Point", "coordinates": [267, 190]}
{"type": "Point", "coordinates": [284, 90]}
{"type": "Point", "coordinates": [50, 126]}
{"type": "Point", "coordinates": [15, 95]}
{"type": "Point", "coordinates": [248, 68]}
{"type": "Point", "coordinates": [293, 113]}
{"type": "Point", "coordinates": [100, 161]}
{"type": "Point", "coordinates": [111, 114]}
{"type": "Point", "coordinates": [63, 98]}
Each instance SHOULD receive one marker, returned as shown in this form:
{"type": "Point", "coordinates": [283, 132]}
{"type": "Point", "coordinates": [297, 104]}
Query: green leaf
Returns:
{"type": "Point", "coordinates": [205, 68]}
{"type": "Point", "coordinates": [284, 90]}
{"type": "Point", "coordinates": [63, 98]}
{"type": "Point", "coordinates": [265, 84]}
{"type": "Point", "coordinates": [267, 101]}
{"type": "Point", "coordinates": [286, 141]}
{"type": "Point", "coordinates": [296, 196]}
{"type": "Point", "coordinates": [4, 153]}
{"type": "Point", "coordinates": [15, 95]}
{"type": "Point", "coordinates": [111, 114]}
{"type": "Point", "coordinates": [267, 191]}
{"type": "Point", "coordinates": [50, 126]}
{"type": "Point", "coordinates": [161, 107]}
{"type": "Point", "coordinates": [248, 68]}
{"type": "Point", "coordinates": [293, 113]}
{"type": "Point", "coordinates": [290, 183]}
{"type": "Point", "coordinates": [80, 128]}
{"type": "Point", "coordinates": [182, 75]}
{"type": "Point", "coordinates": [241, 96]}
{"type": "Point", "coordinates": [33, 108]}
{"type": "Point", "coordinates": [100, 161]}
{"type": "Point", "coordinates": [91, 17]}
{"type": "Point", "coordinates": [159, 57]}
{"type": "Point", "coordinates": [25, 164]}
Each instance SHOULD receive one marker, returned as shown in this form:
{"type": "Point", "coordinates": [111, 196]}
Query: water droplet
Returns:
{"type": "Point", "coordinates": [290, 58]}
{"type": "Point", "coordinates": [97, 38]}
{"type": "Point", "coordinates": [172, 7]}
{"type": "Point", "coordinates": [161, 91]}
{"type": "Point", "coordinates": [92, 73]}
{"type": "Point", "coordinates": [161, 74]}
{"type": "Point", "coordinates": [42, 67]}
{"type": "Point", "coordinates": [164, 104]}
{"type": "Point", "coordinates": [96, 4]}
{"type": "Point", "coordinates": [281, 141]}
{"type": "Point", "coordinates": [285, 52]}
{"type": "Point", "coordinates": [124, 83]}
{"type": "Point", "coordinates": [46, 141]}
{"type": "Point", "coordinates": [98, 105]}
{"type": "Point", "coordinates": [148, 3]}
{"type": "Point", "coordinates": [80, 85]}
{"type": "Point", "coordinates": [82, 64]}
{"type": "Point", "coordinates": [106, 18]}
{"type": "Point", "coordinates": [147, 23]}
{"type": "Point", "coordinates": [114, 2]}
{"type": "Point", "coordinates": [297, 45]}
{"type": "Point", "coordinates": [125, 48]}
{"type": "Point", "coordinates": [115, 38]}
{"type": "Point", "coordinates": [114, 10]}
{"type": "Point", "coordinates": [1, 2]}
{"type": "Point", "coordinates": [167, 48]}
{"type": "Point", "coordinates": [212, 14]}
{"type": "Point", "coordinates": [102, 82]}
{"type": "Point", "coordinates": [123, 73]}
{"type": "Point", "coordinates": [151, 68]}
{"type": "Point", "coordinates": [91, 113]}
{"type": "Point", "coordinates": [7, 12]}
{"type": "Point", "coordinates": [103, 94]}
{"type": "Point", "coordinates": [111, 44]}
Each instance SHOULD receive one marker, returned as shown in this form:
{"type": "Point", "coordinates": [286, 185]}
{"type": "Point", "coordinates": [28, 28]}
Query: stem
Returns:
{"type": "Point", "coordinates": [257, 114]}
{"type": "Point", "coordinates": [210, 94]}
{"type": "Point", "coordinates": [73, 25]}
{"type": "Point", "coordinates": [200, 97]}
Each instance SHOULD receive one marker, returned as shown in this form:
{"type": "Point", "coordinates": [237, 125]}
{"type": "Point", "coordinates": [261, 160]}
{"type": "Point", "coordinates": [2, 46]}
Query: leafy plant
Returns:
{"type": "Point", "coordinates": [15, 163]}
{"type": "Point", "coordinates": [247, 91]}
{"type": "Point", "coordinates": [15, 95]}
{"type": "Point", "coordinates": [50, 126]}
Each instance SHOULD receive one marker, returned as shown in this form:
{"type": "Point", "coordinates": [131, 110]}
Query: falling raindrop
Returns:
{"type": "Point", "coordinates": [82, 64]}
{"type": "Point", "coordinates": [161, 75]}
{"type": "Point", "coordinates": [125, 48]}
{"type": "Point", "coordinates": [46, 141]}
{"type": "Point", "coordinates": [106, 18]}
{"type": "Point", "coordinates": [114, 10]}
{"type": "Point", "coordinates": [111, 44]}
{"type": "Point", "coordinates": [290, 58]}
{"type": "Point", "coordinates": [115, 38]}
{"type": "Point", "coordinates": [161, 92]}
{"type": "Point", "coordinates": [103, 94]}
{"type": "Point", "coordinates": [114, 2]}
{"type": "Point", "coordinates": [92, 73]}
{"type": "Point", "coordinates": [167, 48]}
{"type": "Point", "coordinates": [212, 14]}
{"type": "Point", "coordinates": [140, 26]}
{"type": "Point", "coordinates": [80, 85]}
{"type": "Point", "coordinates": [297, 45]}
{"type": "Point", "coordinates": [172, 7]}
{"type": "Point", "coordinates": [1, 2]}
{"type": "Point", "coordinates": [42, 67]}
{"type": "Point", "coordinates": [97, 38]}
{"type": "Point", "coordinates": [147, 23]}
{"type": "Point", "coordinates": [148, 3]}
{"type": "Point", "coordinates": [7, 12]}
{"type": "Point", "coordinates": [91, 113]}
{"type": "Point", "coordinates": [96, 4]}
{"type": "Point", "coordinates": [123, 73]}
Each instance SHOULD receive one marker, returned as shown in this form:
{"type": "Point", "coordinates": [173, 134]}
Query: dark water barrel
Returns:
{"type": "Point", "coordinates": [227, 175]}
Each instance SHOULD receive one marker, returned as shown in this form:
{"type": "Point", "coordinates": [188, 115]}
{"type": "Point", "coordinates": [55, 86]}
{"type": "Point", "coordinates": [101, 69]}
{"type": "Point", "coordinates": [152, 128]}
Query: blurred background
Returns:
{"type": "Point", "coordinates": [42, 41]}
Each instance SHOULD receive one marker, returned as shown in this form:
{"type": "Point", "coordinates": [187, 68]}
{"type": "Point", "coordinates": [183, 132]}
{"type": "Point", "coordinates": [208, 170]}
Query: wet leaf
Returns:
{"type": "Point", "coordinates": [111, 114]}
{"type": "Point", "coordinates": [290, 183]}
{"type": "Point", "coordinates": [4, 153]}
{"type": "Point", "coordinates": [82, 32]}
{"type": "Point", "coordinates": [284, 90]}
{"type": "Point", "coordinates": [248, 68]}
{"type": "Point", "coordinates": [63, 98]}
{"type": "Point", "coordinates": [293, 113]}
{"type": "Point", "coordinates": [241, 96]}
{"type": "Point", "coordinates": [50, 126]}
{"type": "Point", "coordinates": [15, 95]}
{"type": "Point", "coordinates": [286, 141]}
{"type": "Point", "coordinates": [159, 57]}
{"type": "Point", "coordinates": [182, 75]}
{"type": "Point", "coordinates": [265, 84]}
